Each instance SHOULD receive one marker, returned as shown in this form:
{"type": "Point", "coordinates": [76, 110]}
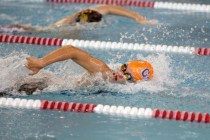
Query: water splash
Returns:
{"type": "Point", "coordinates": [10, 29]}
{"type": "Point", "coordinates": [11, 69]}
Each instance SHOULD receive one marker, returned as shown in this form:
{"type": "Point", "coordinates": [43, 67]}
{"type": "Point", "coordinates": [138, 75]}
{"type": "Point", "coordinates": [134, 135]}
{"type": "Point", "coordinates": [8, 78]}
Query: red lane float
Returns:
{"type": "Point", "coordinates": [31, 40]}
{"type": "Point", "coordinates": [110, 2]}
{"type": "Point", "coordinates": [202, 51]}
{"type": "Point", "coordinates": [139, 3]}
{"type": "Point", "coordinates": [182, 115]}
{"type": "Point", "coordinates": [105, 109]}
{"type": "Point", "coordinates": [103, 45]}
{"type": "Point", "coordinates": [65, 106]}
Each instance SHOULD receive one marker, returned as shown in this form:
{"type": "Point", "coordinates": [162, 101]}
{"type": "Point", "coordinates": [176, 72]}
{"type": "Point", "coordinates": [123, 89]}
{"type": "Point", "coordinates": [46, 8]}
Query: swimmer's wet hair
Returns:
{"type": "Point", "coordinates": [89, 16]}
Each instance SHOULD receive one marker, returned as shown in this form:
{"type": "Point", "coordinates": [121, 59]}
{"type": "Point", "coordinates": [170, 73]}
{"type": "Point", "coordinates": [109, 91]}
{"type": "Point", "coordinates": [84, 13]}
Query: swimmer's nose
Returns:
{"type": "Point", "coordinates": [120, 73]}
{"type": "Point", "coordinates": [120, 76]}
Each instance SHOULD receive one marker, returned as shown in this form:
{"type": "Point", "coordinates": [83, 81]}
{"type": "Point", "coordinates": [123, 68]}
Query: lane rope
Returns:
{"type": "Point", "coordinates": [113, 110]}
{"type": "Point", "coordinates": [148, 4]}
{"type": "Point", "coordinates": [103, 45]}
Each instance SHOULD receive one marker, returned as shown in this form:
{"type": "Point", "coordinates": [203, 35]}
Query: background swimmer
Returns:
{"type": "Point", "coordinates": [94, 14]}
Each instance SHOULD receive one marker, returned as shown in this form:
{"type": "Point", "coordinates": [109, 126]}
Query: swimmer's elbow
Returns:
{"type": "Point", "coordinates": [69, 48]}
{"type": "Point", "coordinates": [75, 53]}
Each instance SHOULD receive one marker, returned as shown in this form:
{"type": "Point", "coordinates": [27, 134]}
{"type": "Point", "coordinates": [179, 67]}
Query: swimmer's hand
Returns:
{"type": "Point", "coordinates": [152, 22]}
{"type": "Point", "coordinates": [148, 22]}
{"type": "Point", "coordinates": [34, 64]}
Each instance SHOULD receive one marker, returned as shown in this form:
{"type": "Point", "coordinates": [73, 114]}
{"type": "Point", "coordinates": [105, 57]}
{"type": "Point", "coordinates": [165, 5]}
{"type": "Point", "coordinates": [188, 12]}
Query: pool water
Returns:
{"type": "Point", "coordinates": [181, 81]}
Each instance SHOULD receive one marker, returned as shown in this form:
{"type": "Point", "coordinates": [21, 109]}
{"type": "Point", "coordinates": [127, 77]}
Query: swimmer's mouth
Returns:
{"type": "Point", "coordinates": [115, 77]}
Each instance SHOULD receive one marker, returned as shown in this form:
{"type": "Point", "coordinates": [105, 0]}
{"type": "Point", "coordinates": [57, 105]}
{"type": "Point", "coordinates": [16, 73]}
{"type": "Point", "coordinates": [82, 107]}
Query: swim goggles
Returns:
{"type": "Point", "coordinates": [128, 76]}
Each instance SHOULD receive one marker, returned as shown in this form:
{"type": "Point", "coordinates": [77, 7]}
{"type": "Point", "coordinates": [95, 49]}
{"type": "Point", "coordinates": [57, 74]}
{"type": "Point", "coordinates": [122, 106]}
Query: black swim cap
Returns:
{"type": "Point", "coordinates": [89, 16]}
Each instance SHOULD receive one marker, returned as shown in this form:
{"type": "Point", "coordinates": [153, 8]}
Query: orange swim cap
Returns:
{"type": "Point", "coordinates": [141, 70]}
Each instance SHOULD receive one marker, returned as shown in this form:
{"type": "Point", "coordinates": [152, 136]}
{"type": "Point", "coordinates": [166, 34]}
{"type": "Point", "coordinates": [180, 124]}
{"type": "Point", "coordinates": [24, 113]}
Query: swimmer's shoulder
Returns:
{"type": "Point", "coordinates": [99, 8]}
{"type": "Point", "coordinates": [105, 9]}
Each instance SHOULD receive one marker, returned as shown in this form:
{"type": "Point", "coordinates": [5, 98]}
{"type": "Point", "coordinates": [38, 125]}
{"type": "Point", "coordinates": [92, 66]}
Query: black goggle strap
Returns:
{"type": "Point", "coordinates": [123, 67]}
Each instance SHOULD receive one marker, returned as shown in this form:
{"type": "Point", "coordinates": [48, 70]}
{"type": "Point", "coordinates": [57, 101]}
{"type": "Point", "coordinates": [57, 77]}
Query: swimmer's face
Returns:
{"type": "Point", "coordinates": [123, 74]}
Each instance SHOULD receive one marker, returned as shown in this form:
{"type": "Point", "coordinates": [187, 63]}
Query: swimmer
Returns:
{"type": "Point", "coordinates": [94, 14]}
{"type": "Point", "coordinates": [132, 71]}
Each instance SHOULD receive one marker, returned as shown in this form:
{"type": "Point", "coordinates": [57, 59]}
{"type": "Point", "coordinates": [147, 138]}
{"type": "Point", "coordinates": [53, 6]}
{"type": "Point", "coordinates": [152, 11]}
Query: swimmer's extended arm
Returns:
{"type": "Point", "coordinates": [27, 27]}
{"type": "Point", "coordinates": [64, 21]}
{"type": "Point", "coordinates": [120, 11]}
{"type": "Point", "coordinates": [106, 9]}
{"type": "Point", "coordinates": [82, 58]}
